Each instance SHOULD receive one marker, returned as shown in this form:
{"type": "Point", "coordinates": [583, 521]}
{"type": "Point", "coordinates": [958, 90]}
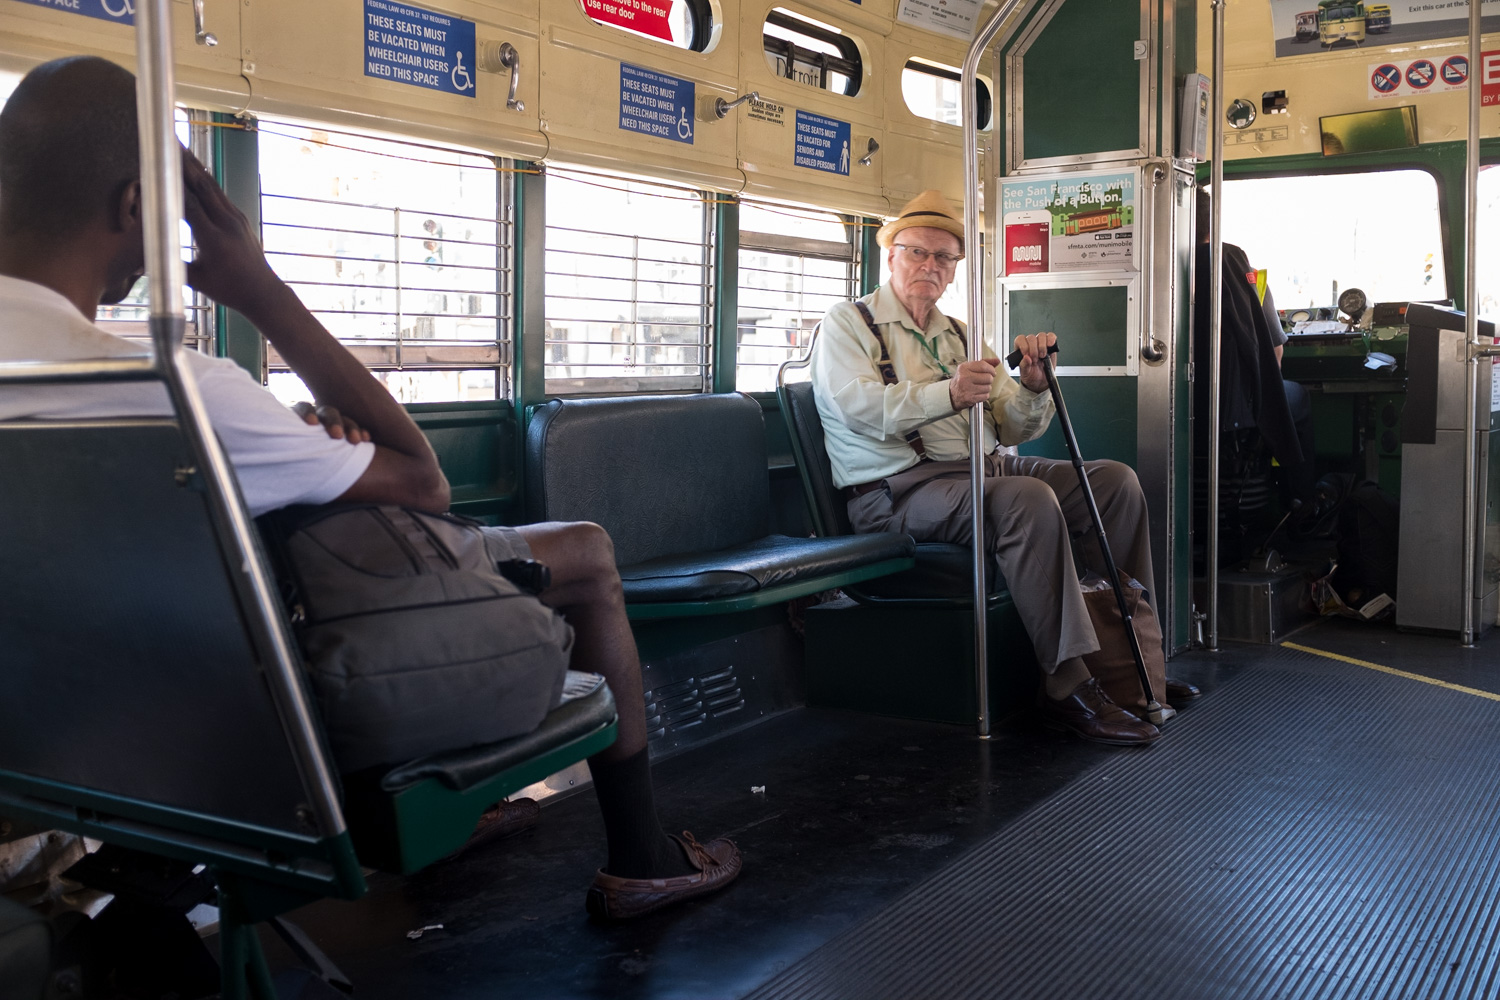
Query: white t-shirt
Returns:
{"type": "Point", "coordinates": [278, 459]}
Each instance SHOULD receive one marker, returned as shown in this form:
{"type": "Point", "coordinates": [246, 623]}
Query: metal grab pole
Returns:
{"type": "Point", "coordinates": [1471, 331]}
{"type": "Point", "coordinates": [161, 210]}
{"type": "Point", "coordinates": [1215, 323]}
{"type": "Point", "coordinates": [972, 247]}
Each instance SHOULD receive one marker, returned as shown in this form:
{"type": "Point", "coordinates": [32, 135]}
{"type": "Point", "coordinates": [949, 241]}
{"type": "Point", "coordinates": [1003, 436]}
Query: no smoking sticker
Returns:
{"type": "Point", "coordinates": [1417, 76]}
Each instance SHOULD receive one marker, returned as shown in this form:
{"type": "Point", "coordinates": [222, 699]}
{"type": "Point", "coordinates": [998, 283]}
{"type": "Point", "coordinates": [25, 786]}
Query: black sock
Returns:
{"type": "Point", "coordinates": [638, 847]}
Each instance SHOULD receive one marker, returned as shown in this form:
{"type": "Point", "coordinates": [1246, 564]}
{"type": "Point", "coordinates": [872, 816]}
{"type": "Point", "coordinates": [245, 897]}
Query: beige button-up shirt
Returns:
{"type": "Point", "coordinates": [865, 421]}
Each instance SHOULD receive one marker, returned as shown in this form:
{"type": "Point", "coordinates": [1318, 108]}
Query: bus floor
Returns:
{"type": "Point", "coordinates": [1312, 826]}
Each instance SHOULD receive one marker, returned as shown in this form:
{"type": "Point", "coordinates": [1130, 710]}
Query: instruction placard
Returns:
{"type": "Point", "coordinates": [649, 17]}
{"type": "Point", "coordinates": [767, 111]}
{"type": "Point", "coordinates": [1424, 75]}
{"type": "Point", "coordinates": [420, 48]}
{"type": "Point", "coordinates": [122, 11]}
{"type": "Point", "coordinates": [1069, 222]}
{"type": "Point", "coordinates": [821, 143]}
{"type": "Point", "coordinates": [951, 17]}
{"type": "Point", "coordinates": [653, 103]}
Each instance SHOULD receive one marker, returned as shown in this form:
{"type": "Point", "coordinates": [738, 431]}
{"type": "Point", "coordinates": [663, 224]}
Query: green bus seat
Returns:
{"type": "Point", "coordinates": [410, 816]}
{"type": "Point", "coordinates": [680, 484]}
{"type": "Point", "coordinates": [943, 572]}
{"type": "Point", "coordinates": [146, 706]}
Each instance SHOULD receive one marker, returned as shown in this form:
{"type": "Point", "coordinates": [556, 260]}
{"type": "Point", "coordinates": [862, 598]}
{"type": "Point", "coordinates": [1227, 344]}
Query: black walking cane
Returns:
{"type": "Point", "coordinates": [1154, 712]}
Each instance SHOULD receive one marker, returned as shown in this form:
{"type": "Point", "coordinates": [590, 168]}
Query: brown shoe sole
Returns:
{"type": "Point", "coordinates": [1052, 722]}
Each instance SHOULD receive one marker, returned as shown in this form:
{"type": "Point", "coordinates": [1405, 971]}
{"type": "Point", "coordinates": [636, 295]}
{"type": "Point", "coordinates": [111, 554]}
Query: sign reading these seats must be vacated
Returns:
{"type": "Point", "coordinates": [122, 11]}
{"type": "Point", "coordinates": [420, 48]}
{"type": "Point", "coordinates": [653, 103]}
{"type": "Point", "coordinates": [821, 144]}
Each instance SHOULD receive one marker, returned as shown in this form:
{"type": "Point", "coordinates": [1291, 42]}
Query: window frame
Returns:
{"type": "Point", "coordinates": [1321, 167]}
{"type": "Point", "coordinates": [850, 62]}
{"type": "Point", "coordinates": [411, 353]}
{"type": "Point", "coordinates": [565, 387]}
{"type": "Point", "coordinates": [849, 253]}
{"type": "Point", "coordinates": [983, 102]}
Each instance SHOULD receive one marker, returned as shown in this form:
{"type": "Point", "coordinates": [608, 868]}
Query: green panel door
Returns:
{"type": "Point", "coordinates": [1081, 82]}
{"type": "Point", "coordinates": [1091, 323]}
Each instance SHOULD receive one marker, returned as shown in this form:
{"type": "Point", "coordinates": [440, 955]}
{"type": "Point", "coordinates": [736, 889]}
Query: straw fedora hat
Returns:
{"type": "Point", "coordinates": [929, 209]}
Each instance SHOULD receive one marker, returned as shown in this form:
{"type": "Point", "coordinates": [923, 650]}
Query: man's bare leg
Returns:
{"type": "Point", "coordinates": [586, 591]}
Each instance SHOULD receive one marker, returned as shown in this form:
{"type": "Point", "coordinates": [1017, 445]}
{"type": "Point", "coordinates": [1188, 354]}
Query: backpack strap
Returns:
{"type": "Point", "coordinates": [888, 376]}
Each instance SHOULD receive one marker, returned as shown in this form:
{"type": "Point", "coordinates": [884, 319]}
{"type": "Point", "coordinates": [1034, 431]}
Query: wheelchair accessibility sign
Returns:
{"type": "Point", "coordinates": [121, 11]}
{"type": "Point", "coordinates": [653, 103]}
{"type": "Point", "coordinates": [420, 48]}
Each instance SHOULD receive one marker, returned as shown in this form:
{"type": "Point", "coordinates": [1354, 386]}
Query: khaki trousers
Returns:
{"type": "Point", "coordinates": [1034, 507]}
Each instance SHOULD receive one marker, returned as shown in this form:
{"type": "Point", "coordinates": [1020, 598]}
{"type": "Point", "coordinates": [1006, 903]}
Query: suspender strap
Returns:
{"type": "Point", "coordinates": [888, 376]}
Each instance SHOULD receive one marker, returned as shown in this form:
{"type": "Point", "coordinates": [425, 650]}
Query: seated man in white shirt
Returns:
{"type": "Point", "coordinates": [899, 447]}
{"type": "Point", "coordinates": [71, 239]}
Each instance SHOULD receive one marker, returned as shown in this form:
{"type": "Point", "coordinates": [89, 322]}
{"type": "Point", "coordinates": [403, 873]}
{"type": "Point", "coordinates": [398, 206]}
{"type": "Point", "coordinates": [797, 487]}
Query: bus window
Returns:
{"type": "Point", "coordinates": [1379, 231]}
{"type": "Point", "coordinates": [1487, 235]}
{"type": "Point", "coordinates": [932, 90]}
{"type": "Point", "coordinates": [812, 53]}
{"type": "Point", "coordinates": [628, 283]}
{"type": "Point", "coordinates": [686, 24]}
{"type": "Point", "coordinates": [403, 251]}
{"type": "Point", "coordinates": [794, 264]}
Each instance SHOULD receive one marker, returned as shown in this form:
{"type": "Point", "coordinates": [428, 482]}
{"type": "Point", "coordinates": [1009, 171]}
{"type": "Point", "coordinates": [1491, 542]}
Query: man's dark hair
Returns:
{"type": "Point", "coordinates": [68, 147]}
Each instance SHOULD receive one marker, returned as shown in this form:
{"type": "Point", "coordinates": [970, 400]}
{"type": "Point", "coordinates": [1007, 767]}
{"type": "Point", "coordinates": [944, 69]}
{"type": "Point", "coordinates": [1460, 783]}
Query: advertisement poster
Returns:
{"type": "Point", "coordinates": [951, 17]}
{"type": "Point", "coordinates": [1302, 27]}
{"type": "Point", "coordinates": [1068, 222]}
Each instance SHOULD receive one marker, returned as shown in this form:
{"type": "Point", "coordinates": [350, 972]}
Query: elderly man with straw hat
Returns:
{"type": "Point", "coordinates": [894, 387]}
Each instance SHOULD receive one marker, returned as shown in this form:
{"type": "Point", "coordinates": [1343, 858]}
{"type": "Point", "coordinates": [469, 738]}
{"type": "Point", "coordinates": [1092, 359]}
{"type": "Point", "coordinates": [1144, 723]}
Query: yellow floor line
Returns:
{"type": "Point", "coordinates": [1392, 670]}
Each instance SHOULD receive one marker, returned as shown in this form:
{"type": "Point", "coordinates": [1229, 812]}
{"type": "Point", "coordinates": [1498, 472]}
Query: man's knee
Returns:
{"type": "Point", "coordinates": [1021, 502]}
{"type": "Point", "coordinates": [578, 552]}
{"type": "Point", "coordinates": [1109, 478]}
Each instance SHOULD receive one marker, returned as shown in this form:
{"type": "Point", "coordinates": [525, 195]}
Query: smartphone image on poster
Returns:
{"type": "Point", "coordinates": [1027, 237]}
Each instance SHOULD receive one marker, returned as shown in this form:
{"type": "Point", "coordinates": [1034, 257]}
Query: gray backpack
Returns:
{"type": "Point", "coordinates": [414, 639]}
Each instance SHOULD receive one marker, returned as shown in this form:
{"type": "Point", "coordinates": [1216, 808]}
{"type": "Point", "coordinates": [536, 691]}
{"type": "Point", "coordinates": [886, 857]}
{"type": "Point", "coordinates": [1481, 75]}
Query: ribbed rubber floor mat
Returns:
{"type": "Point", "coordinates": [1312, 830]}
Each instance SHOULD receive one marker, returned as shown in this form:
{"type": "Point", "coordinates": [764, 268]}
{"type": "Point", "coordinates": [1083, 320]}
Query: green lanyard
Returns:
{"type": "Point", "coordinates": [932, 349]}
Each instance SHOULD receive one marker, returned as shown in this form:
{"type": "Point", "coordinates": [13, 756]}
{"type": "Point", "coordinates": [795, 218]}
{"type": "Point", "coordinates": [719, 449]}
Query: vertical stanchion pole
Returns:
{"type": "Point", "coordinates": [973, 249]}
{"type": "Point", "coordinates": [1215, 323]}
{"type": "Point", "coordinates": [161, 212]}
{"type": "Point", "coordinates": [1471, 331]}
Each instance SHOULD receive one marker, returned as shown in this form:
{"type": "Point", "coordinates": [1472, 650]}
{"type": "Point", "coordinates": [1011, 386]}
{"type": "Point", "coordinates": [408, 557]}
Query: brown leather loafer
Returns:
{"type": "Point", "coordinates": [501, 820]}
{"type": "Point", "coordinates": [1181, 690]}
{"type": "Point", "coordinates": [1089, 713]}
{"type": "Point", "coordinates": [615, 898]}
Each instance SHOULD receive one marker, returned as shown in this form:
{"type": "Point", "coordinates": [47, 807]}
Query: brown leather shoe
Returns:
{"type": "Point", "coordinates": [615, 898]}
{"type": "Point", "coordinates": [501, 820]}
{"type": "Point", "coordinates": [1089, 713]}
{"type": "Point", "coordinates": [1181, 690]}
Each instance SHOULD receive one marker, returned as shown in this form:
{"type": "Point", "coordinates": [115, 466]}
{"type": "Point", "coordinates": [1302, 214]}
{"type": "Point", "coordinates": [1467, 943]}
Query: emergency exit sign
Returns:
{"type": "Point", "coordinates": [1489, 78]}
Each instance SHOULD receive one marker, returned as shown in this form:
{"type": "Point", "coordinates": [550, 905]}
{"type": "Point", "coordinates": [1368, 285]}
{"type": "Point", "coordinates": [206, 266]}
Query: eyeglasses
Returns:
{"type": "Point", "coordinates": [920, 255]}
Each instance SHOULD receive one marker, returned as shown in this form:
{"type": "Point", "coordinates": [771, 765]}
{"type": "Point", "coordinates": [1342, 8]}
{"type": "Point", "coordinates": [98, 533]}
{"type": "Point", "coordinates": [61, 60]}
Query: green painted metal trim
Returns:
{"type": "Point", "coordinates": [305, 864]}
{"type": "Point", "coordinates": [726, 314]}
{"type": "Point", "coordinates": [429, 820]}
{"type": "Point", "coordinates": [869, 254]}
{"type": "Point", "coordinates": [237, 169]}
{"type": "Point", "coordinates": [771, 595]}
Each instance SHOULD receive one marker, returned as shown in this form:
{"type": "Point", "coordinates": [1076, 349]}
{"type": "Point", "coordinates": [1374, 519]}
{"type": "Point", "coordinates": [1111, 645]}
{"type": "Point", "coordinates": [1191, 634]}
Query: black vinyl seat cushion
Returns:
{"type": "Point", "coordinates": [772, 561]}
{"type": "Point", "coordinates": [586, 705]}
{"type": "Point", "coordinates": [943, 570]}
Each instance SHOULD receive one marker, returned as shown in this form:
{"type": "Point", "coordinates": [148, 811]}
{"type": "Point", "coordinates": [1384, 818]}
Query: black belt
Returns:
{"type": "Point", "coordinates": [860, 489]}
